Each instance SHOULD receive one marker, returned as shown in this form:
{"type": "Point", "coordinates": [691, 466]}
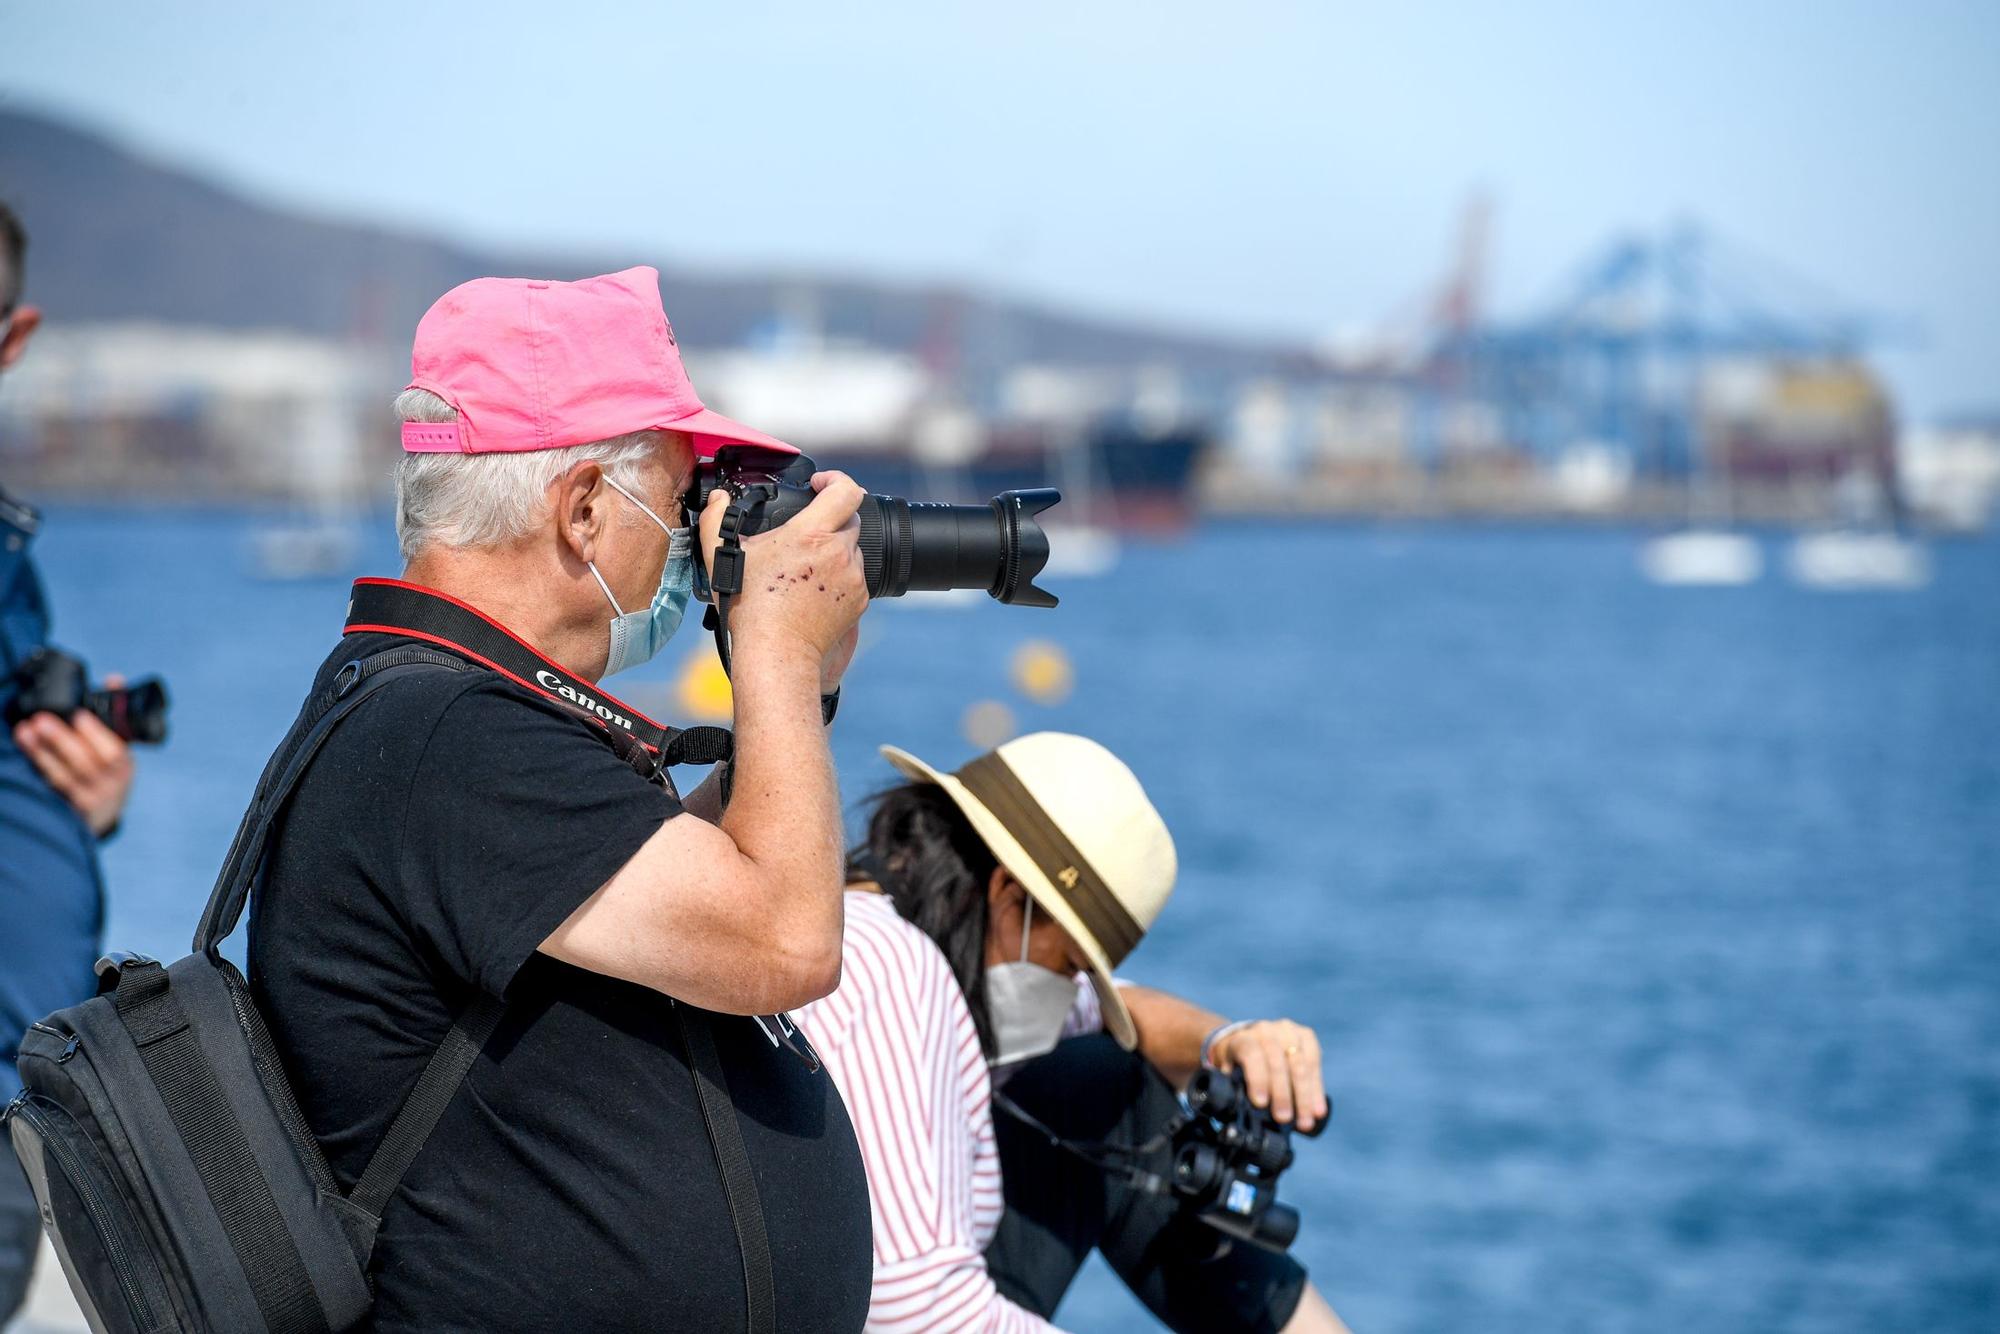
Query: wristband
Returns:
{"type": "Point", "coordinates": [1208, 1043]}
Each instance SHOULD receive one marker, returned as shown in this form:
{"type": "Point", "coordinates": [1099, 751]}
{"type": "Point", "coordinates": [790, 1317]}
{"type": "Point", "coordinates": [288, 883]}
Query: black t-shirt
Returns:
{"type": "Point", "coordinates": [444, 830]}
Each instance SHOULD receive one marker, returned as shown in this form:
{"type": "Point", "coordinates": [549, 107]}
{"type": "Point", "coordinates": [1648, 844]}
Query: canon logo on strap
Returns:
{"type": "Point", "coordinates": [555, 685]}
{"type": "Point", "coordinates": [391, 606]}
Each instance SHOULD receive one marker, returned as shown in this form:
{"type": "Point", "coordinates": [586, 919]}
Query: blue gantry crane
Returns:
{"type": "Point", "coordinates": [1618, 359]}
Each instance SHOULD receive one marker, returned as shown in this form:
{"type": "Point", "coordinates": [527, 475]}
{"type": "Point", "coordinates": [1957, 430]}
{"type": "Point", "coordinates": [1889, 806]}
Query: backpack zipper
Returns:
{"type": "Point", "coordinates": [70, 1041]}
{"type": "Point", "coordinates": [102, 1220]}
{"type": "Point", "coordinates": [282, 1099]}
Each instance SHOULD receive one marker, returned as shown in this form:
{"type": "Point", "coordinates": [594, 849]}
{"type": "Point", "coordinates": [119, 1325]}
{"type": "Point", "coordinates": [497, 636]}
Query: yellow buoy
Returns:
{"type": "Point", "coordinates": [1042, 672]}
{"type": "Point", "coordinates": [703, 688]}
{"type": "Point", "coordinates": [987, 723]}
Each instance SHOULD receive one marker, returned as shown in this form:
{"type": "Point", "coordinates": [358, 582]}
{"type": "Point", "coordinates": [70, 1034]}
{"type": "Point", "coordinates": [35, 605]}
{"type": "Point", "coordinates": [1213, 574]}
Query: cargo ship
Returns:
{"type": "Point", "coordinates": [881, 416]}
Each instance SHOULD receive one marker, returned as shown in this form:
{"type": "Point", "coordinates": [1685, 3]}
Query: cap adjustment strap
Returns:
{"type": "Point", "coordinates": [432, 438]}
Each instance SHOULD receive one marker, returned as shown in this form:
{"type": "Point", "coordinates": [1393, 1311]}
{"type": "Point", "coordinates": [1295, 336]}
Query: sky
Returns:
{"type": "Point", "coordinates": [1296, 170]}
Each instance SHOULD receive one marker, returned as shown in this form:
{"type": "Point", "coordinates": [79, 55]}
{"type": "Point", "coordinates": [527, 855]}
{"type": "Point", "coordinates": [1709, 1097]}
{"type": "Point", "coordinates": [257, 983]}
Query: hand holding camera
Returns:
{"type": "Point", "coordinates": [88, 764]}
{"type": "Point", "coordinates": [79, 738]}
{"type": "Point", "coordinates": [802, 580]}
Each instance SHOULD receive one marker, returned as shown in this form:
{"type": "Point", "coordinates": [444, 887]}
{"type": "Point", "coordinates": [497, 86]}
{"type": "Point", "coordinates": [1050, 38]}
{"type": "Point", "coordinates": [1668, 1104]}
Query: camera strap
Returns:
{"type": "Point", "coordinates": [722, 588]}
{"type": "Point", "coordinates": [391, 606]}
{"type": "Point", "coordinates": [727, 579]}
{"type": "Point", "coordinates": [1107, 1156]}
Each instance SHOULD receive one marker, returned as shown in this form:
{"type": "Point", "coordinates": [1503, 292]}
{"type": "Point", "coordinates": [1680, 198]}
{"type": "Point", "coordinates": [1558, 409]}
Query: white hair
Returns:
{"type": "Point", "coordinates": [482, 500]}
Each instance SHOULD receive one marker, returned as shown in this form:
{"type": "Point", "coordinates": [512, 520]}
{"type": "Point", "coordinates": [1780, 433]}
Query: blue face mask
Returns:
{"type": "Point", "coordinates": [636, 636]}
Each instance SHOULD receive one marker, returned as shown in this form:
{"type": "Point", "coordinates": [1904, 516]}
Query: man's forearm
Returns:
{"type": "Point", "coordinates": [784, 804]}
{"type": "Point", "coordinates": [704, 800]}
{"type": "Point", "coordinates": [1171, 1031]}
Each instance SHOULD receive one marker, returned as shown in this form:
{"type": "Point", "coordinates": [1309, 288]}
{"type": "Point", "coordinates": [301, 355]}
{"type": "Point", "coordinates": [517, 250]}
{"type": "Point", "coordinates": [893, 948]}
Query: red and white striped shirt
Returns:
{"type": "Point", "coordinates": [898, 1039]}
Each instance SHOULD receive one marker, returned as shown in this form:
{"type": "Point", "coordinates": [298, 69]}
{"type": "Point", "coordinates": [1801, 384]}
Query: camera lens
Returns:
{"type": "Point", "coordinates": [906, 545]}
{"type": "Point", "coordinates": [137, 712]}
{"type": "Point", "coordinates": [916, 545]}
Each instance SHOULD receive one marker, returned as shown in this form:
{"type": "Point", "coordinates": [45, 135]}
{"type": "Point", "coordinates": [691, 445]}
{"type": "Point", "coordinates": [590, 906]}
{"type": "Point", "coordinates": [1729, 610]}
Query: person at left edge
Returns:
{"type": "Point", "coordinates": [464, 833]}
{"type": "Point", "coordinates": [63, 783]}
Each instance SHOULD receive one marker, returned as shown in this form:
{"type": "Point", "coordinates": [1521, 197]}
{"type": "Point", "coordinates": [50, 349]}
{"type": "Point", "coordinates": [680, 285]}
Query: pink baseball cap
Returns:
{"type": "Point", "coordinates": [532, 364]}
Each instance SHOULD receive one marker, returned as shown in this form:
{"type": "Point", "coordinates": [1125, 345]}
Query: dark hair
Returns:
{"type": "Point", "coordinates": [924, 854]}
{"type": "Point", "coordinates": [13, 246]}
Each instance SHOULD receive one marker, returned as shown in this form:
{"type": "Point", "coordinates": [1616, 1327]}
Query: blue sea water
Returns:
{"type": "Point", "coordinates": [1653, 935]}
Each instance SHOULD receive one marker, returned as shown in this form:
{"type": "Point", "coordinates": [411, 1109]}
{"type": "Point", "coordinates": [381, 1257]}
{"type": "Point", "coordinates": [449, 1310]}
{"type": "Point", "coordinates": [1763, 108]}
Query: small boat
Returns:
{"type": "Point", "coordinates": [1850, 559]}
{"type": "Point", "coordinates": [309, 550]}
{"type": "Point", "coordinates": [1703, 557]}
{"type": "Point", "coordinates": [1081, 551]}
{"type": "Point", "coordinates": [321, 537]}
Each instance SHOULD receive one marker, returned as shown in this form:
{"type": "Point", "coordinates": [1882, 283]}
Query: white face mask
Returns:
{"type": "Point", "coordinates": [637, 635]}
{"type": "Point", "coordinates": [1027, 1004]}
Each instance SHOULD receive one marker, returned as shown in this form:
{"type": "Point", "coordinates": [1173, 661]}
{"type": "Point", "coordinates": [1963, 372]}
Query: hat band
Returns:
{"type": "Point", "coordinates": [1003, 793]}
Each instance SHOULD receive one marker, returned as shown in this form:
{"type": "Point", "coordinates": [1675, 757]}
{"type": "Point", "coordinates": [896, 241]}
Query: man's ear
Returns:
{"type": "Point", "coordinates": [581, 502]}
{"type": "Point", "coordinates": [26, 320]}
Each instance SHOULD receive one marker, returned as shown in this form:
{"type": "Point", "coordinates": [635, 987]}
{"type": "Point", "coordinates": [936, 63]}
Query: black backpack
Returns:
{"type": "Point", "coordinates": [173, 1168]}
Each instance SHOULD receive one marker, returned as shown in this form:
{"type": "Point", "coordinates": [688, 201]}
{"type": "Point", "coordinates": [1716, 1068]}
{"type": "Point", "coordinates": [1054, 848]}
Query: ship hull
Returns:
{"type": "Point", "coordinates": [1115, 478]}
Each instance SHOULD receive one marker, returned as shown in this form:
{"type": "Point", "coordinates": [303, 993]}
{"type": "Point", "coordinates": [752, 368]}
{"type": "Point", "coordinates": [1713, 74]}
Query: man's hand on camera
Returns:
{"type": "Point", "coordinates": [1280, 1061]}
{"type": "Point", "coordinates": [803, 580]}
{"type": "Point", "coordinates": [83, 760]}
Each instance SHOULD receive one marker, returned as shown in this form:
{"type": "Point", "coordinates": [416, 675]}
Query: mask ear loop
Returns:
{"type": "Point", "coordinates": [591, 565]}
{"type": "Point", "coordinates": [612, 482]}
{"type": "Point", "coordinates": [648, 509]}
{"type": "Point", "coordinates": [1027, 920]}
{"type": "Point", "coordinates": [681, 537]}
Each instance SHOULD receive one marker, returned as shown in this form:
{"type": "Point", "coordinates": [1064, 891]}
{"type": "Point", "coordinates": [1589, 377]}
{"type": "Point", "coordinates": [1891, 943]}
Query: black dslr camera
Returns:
{"type": "Point", "coordinates": [905, 544]}
{"type": "Point", "coordinates": [1227, 1160]}
{"type": "Point", "coordinates": [51, 681]}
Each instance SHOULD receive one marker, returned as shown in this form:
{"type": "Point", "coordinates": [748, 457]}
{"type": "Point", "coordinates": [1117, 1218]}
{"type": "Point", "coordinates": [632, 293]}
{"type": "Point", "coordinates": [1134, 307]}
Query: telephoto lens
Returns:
{"type": "Point", "coordinates": [906, 545]}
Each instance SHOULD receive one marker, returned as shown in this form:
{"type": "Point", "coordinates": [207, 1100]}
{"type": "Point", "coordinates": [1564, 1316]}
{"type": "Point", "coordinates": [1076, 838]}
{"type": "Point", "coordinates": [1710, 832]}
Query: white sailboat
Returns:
{"type": "Point", "coordinates": [1079, 546]}
{"type": "Point", "coordinates": [1708, 553]}
{"type": "Point", "coordinates": [1866, 552]}
{"type": "Point", "coordinates": [1851, 559]}
{"type": "Point", "coordinates": [1702, 557]}
{"type": "Point", "coordinates": [322, 539]}
{"type": "Point", "coordinates": [1705, 554]}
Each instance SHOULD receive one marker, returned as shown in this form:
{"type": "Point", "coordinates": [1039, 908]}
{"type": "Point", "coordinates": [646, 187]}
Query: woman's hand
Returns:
{"type": "Point", "coordinates": [1280, 1061]}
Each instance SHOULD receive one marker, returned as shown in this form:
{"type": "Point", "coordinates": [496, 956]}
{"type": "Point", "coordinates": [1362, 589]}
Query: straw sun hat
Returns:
{"type": "Point", "coordinates": [1070, 822]}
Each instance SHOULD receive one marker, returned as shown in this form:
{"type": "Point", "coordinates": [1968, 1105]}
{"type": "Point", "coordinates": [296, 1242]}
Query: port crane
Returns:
{"type": "Point", "coordinates": [1617, 358]}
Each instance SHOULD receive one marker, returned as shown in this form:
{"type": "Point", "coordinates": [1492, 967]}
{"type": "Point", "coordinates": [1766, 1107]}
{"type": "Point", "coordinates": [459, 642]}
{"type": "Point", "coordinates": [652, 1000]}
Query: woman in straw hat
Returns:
{"type": "Point", "coordinates": [987, 910]}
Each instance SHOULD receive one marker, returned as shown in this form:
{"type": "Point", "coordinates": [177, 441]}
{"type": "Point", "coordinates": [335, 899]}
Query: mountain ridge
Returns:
{"type": "Point", "coordinates": [116, 234]}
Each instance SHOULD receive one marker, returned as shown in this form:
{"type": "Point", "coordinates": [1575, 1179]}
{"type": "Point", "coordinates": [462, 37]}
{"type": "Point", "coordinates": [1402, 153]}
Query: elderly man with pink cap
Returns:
{"type": "Point", "coordinates": [644, 1140]}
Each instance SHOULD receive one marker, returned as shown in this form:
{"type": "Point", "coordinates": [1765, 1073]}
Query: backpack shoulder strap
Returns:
{"type": "Point", "coordinates": [352, 685]}
{"type": "Point", "coordinates": [435, 1088]}
{"type": "Point", "coordinates": [732, 1160]}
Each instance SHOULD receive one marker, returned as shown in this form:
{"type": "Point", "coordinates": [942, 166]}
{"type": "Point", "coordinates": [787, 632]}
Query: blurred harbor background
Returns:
{"type": "Point", "coordinates": [1529, 490]}
{"type": "Point", "coordinates": [1678, 377]}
